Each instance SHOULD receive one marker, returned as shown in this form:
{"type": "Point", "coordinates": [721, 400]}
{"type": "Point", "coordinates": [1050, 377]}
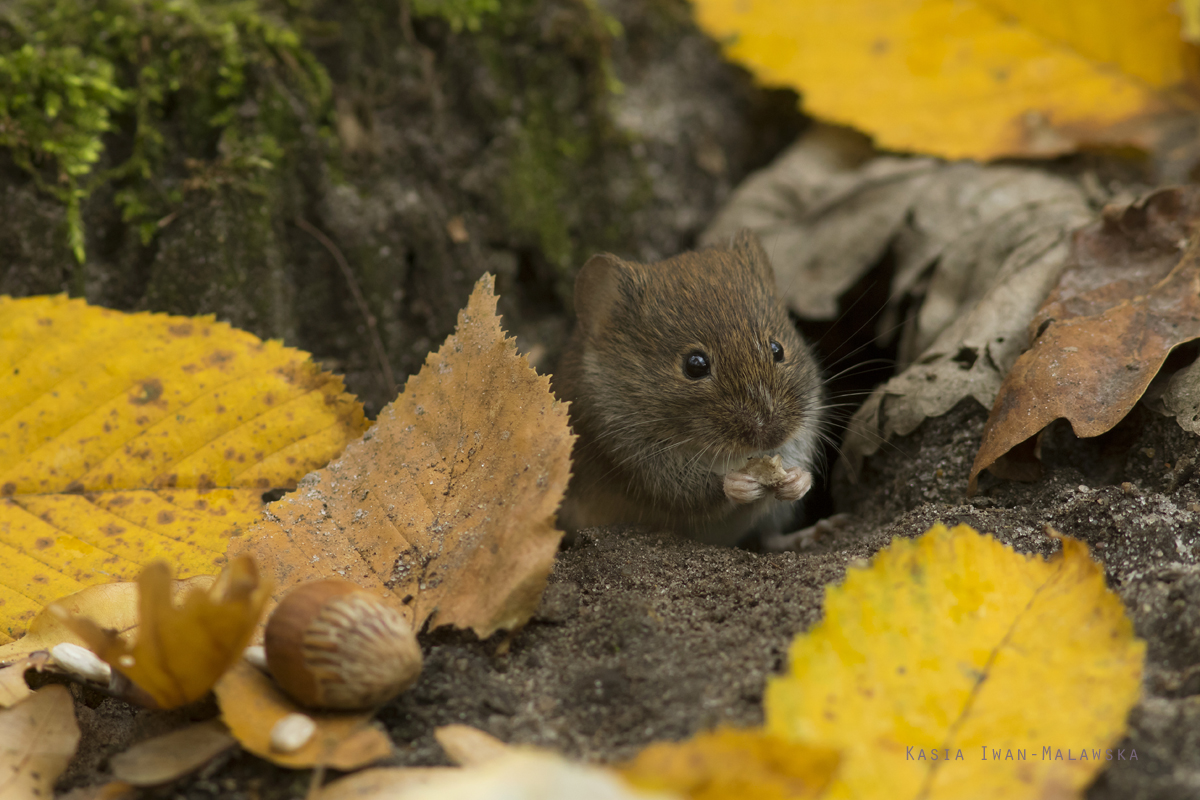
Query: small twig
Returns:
{"type": "Point", "coordinates": [425, 57]}
{"type": "Point", "coordinates": [372, 329]}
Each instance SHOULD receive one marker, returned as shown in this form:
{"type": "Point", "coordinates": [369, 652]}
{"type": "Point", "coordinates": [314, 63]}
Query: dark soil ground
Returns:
{"type": "Point", "coordinates": [643, 637]}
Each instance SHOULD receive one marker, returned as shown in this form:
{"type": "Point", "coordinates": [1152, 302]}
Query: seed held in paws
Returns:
{"type": "Point", "coordinates": [762, 476]}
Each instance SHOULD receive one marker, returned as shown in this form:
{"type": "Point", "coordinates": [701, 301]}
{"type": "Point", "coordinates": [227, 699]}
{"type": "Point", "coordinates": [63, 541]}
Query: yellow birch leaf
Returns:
{"type": "Point", "coordinates": [448, 503]}
{"type": "Point", "coordinates": [970, 78]}
{"type": "Point", "coordinates": [944, 669]}
{"type": "Point", "coordinates": [180, 651]}
{"type": "Point", "coordinates": [38, 737]}
{"type": "Point", "coordinates": [251, 705]}
{"type": "Point", "coordinates": [729, 763]}
{"type": "Point", "coordinates": [126, 438]}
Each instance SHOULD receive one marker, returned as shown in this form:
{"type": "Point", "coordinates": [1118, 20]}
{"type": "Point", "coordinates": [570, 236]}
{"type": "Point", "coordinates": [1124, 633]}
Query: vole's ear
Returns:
{"type": "Point", "coordinates": [747, 245]}
{"type": "Point", "coordinates": [598, 291]}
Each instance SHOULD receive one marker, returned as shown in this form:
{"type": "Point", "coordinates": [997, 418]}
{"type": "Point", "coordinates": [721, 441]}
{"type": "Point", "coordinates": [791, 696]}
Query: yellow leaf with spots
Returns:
{"type": "Point", "coordinates": [971, 78]}
{"type": "Point", "coordinates": [946, 668]}
{"type": "Point", "coordinates": [126, 438]}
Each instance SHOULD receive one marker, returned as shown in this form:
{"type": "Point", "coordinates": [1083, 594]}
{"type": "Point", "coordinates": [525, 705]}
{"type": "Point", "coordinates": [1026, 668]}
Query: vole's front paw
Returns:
{"type": "Point", "coordinates": [763, 476]}
{"type": "Point", "coordinates": [796, 483]}
{"type": "Point", "coordinates": [741, 487]}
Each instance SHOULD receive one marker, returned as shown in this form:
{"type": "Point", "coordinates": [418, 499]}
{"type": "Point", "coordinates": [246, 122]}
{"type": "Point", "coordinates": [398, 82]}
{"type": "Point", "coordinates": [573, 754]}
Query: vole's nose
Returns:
{"type": "Point", "coordinates": [762, 426]}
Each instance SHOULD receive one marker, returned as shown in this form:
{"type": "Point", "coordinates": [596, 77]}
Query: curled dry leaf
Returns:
{"type": "Point", "coordinates": [952, 642]}
{"type": "Point", "coordinates": [448, 502]}
{"type": "Point", "coordinates": [1130, 294]}
{"type": "Point", "coordinates": [172, 755]}
{"type": "Point", "coordinates": [126, 438]}
{"type": "Point", "coordinates": [252, 705]}
{"type": "Point", "coordinates": [37, 740]}
{"type": "Point", "coordinates": [728, 763]}
{"type": "Point", "coordinates": [180, 651]}
{"type": "Point", "coordinates": [112, 606]}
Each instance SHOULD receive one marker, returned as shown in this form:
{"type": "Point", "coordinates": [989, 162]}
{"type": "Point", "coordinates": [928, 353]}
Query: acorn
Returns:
{"type": "Point", "coordinates": [333, 644]}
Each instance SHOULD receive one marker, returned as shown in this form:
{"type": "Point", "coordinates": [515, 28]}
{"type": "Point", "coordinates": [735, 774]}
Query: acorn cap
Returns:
{"type": "Point", "coordinates": [334, 644]}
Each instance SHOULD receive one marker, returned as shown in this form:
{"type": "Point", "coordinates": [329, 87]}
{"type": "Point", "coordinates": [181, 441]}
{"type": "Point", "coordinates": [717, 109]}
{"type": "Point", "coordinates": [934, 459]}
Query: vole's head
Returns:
{"type": "Point", "coordinates": [695, 353]}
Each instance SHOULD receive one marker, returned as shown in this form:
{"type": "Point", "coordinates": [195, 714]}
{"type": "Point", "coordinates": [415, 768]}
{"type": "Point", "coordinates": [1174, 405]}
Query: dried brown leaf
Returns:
{"type": "Point", "coordinates": [112, 606]}
{"type": "Point", "coordinates": [251, 705]}
{"type": "Point", "coordinates": [172, 755]}
{"type": "Point", "coordinates": [467, 746]}
{"type": "Point", "coordinates": [180, 650]}
{"type": "Point", "coordinates": [381, 783]}
{"type": "Point", "coordinates": [13, 688]}
{"type": "Point", "coordinates": [37, 740]}
{"type": "Point", "coordinates": [1130, 294]}
{"type": "Point", "coordinates": [113, 790]}
{"type": "Point", "coordinates": [448, 502]}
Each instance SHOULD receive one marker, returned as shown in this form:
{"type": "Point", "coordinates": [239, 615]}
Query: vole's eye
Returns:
{"type": "Point", "coordinates": [777, 350]}
{"type": "Point", "coordinates": [696, 365]}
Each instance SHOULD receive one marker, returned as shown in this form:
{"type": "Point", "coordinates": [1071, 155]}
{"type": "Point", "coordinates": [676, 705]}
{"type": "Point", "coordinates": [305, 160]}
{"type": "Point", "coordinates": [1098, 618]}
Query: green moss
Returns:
{"type": "Point", "coordinates": [536, 193]}
{"type": "Point", "coordinates": [468, 14]}
{"type": "Point", "coordinates": [134, 92]}
{"type": "Point", "coordinates": [55, 104]}
{"type": "Point", "coordinates": [559, 189]}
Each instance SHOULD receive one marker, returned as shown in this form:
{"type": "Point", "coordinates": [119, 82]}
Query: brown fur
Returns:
{"type": "Point", "coordinates": [654, 446]}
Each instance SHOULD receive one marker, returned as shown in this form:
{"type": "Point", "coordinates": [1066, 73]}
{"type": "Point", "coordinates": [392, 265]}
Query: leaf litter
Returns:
{"type": "Point", "coordinates": [1128, 297]}
{"type": "Point", "coordinates": [252, 705]}
{"type": "Point", "coordinates": [180, 651]}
